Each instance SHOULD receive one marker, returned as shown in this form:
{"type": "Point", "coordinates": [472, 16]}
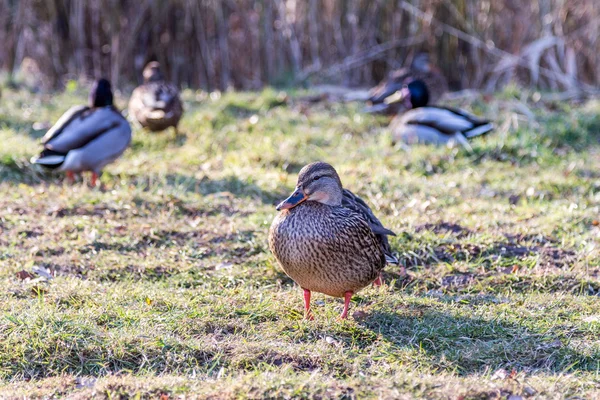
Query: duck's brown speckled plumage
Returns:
{"type": "Point", "coordinates": [156, 104]}
{"type": "Point", "coordinates": [326, 249]}
{"type": "Point", "coordinates": [329, 248]}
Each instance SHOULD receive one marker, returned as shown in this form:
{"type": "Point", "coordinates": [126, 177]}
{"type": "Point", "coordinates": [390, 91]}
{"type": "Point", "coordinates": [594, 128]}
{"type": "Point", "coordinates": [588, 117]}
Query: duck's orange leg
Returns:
{"type": "Point", "coordinates": [347, 298]}
{"type": "Point", "coordinates": [379, 281]}
{"type": "Point", "coordinates": [307, 314]}
{"type": "Point", "coordinates": [70, 177]}
{"type": "Point", "coordinates": [94, 179]}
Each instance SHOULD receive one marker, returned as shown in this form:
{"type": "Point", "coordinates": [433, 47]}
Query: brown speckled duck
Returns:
{"type": "Point", "coordinates": [327, 239]}
{"type": "Point", "coordinates": [155, 105]}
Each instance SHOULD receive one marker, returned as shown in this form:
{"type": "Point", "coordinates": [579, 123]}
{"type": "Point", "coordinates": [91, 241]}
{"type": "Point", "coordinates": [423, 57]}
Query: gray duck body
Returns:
{"type": "Point", "coordinates": [438, 125]}
{"type": "Point", "coordinates": [86, 139]}
{"type": "Point", "coordinates": [327, 249]}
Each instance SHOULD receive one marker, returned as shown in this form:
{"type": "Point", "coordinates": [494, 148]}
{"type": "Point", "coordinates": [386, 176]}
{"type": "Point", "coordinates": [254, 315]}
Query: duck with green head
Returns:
{"type": "Point", "coordinates": [432, 124]}
{"type": "Point", "coordinates": [327, 239]}
{"type": "Point", "coordinates": [422, 71]}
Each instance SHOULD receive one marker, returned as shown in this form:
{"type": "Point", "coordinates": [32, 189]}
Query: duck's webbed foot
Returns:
{"type": "Point", "coordinates": [94, 179]}
{"type": "Point", "coordinates": [379, 281]}
{"type": "Point", "coordinates": [70, 177]}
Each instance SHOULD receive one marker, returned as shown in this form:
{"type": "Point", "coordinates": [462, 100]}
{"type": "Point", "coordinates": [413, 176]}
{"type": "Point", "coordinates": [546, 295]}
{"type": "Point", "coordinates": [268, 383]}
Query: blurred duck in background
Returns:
{"type": "Point", "coordinates": [432, 124]}
{"type": "Point", "coordinates": [420, 70]}
{"type": "Point", "coordinates": [86, 138]}
{"type": "Point", "coordinates": [155, 104]}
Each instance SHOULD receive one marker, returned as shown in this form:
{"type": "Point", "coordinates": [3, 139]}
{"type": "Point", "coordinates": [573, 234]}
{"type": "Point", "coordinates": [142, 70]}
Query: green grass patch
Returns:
{"type": "Point", "coordinates": [164, 284]}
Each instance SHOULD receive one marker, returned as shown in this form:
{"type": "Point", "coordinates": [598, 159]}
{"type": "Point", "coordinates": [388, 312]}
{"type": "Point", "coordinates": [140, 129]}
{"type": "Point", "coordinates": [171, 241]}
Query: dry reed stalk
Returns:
{"type": "Point", "coordinates": [247, 43]}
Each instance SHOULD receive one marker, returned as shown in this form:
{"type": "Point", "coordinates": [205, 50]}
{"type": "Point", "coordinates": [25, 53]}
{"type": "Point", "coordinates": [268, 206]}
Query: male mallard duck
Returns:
{"type": "Point", "coordinates": [327, 239]}
{"type": "Point", "coordinates": [86, 138]}
{"type": "Point", "coordinates": [420, 70]}
{"type": "Point", "coordinates": [436, 125]}
{"type": "Point", "coordinates": [155, 104]}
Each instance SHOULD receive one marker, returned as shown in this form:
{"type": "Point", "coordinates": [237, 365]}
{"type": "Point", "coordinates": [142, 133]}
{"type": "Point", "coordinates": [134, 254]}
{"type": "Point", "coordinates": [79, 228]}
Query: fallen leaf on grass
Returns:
{"type": "Point", "coordinates": [331, 341]}
{"type": "Point", "coordinates": [22, 275]}
{"type": "Point", "coordinates": [223, 265]}
{"type": "Point", "coordinates": [500, 374]}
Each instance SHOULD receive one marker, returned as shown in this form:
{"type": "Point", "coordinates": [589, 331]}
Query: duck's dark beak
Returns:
{"type": "Point", "coordinates": [296, 198]}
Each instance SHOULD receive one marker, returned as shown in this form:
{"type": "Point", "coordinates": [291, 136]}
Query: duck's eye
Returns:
{"type": "Point", "coordinates": [316, 178]}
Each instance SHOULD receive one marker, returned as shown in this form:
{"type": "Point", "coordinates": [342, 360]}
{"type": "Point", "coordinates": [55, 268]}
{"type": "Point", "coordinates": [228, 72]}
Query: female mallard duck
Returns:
{"type": "Point", "coordinates": [86, 138]}
{"type": "Point", "coordinates": [436, 125]}
{"type": "Point", "coordinates": [155, 104]}
{"type": "Point", "coordinates": [420, 70]}
{"type": "Point", "coordinates": [327, 239]}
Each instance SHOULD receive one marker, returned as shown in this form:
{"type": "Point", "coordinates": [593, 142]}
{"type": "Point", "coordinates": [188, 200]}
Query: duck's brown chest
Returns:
{"type": "Point", "coordinates": [326, 249]}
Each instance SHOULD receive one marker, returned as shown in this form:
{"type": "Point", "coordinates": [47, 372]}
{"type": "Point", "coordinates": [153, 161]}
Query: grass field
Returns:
{"type": "Point", "coordinates": [164, 285]}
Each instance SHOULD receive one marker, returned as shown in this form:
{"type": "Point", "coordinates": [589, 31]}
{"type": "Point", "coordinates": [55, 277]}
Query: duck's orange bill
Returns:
{"type": "Point", "coordinates": [400, 96]}
{"type": "Point", "coordinates": [296, 198]}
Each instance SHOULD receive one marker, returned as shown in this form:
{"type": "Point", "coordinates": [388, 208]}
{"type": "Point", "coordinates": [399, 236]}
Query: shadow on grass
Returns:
{"type": "Point", "coordinates": [205, 186]}
{"type": "Point", "coordinates": [473, 345]}
{"type": "Point", "coordinates": [22, 126]}
{"type": "Point", "coordinates": [17, 170]}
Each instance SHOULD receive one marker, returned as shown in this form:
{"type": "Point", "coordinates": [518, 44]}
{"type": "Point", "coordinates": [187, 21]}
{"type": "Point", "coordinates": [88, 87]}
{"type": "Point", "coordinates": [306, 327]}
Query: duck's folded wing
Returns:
{"type": "Point", "coordinates": [86, 129]}
{"type": "Point", "coordinates": [63, 122]}
{"type": "Point", "coordinates": [442, 119]}
{"type": "Point", "coordinates": [355, 203]}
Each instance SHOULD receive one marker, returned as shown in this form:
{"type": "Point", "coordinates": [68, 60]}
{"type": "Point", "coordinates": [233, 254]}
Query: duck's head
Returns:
{"type": "Point", "coordinates": [412, 95]}
{"type": "Point", "coordinates": [101, 94]}
{"type": "Point", "coordinates": [152, 72]}
{"type": "Point", "coordinates": [421, 62]}
{"type": "Point", "coordinates": [316, 182]}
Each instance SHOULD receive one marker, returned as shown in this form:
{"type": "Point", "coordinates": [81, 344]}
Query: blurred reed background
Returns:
{"type": "Point", "coordinates": [245, 44]}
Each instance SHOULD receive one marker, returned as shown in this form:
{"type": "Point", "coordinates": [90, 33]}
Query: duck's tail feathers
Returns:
{"type": "Point", "coordinates": [49, 159]}
{"type": "Point", "coordinates": [479, 130]}
{"type": "Point", "coordinates": [392, 259]}
{"type": "Point", "coordinates": [462, 140]}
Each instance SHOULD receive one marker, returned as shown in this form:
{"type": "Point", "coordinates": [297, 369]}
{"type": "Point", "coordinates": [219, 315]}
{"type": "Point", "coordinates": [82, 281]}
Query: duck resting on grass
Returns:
{"type": "Point", "coordinates": [86, 138]}
{"type": "Point", "coordinates": [420, 70]}
{"type": "Point", "coordinates": [431, 124]}
{"type": "Point", "coordinates": [155, 104]}
{"type": "Point", "coordinates": [327, 239]}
